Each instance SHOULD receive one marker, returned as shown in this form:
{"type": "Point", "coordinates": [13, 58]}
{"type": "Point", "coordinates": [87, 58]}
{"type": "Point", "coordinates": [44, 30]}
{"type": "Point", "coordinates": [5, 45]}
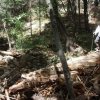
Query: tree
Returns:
{"type": "Point", "coordinates": [53, 11]}
{"type": "Point", "coordinates": [86, 15]}
{"type": "Point", "coordinates": [79, 20]}
{"type": "Point", "coordinates": [71, 9]}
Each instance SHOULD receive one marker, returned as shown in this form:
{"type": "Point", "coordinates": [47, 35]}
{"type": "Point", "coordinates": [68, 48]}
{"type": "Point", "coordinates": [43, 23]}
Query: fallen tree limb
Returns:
{"type": "Point", "coordinates": [55, 72]}
{"type": "Point", "coordinates": [9, 53]}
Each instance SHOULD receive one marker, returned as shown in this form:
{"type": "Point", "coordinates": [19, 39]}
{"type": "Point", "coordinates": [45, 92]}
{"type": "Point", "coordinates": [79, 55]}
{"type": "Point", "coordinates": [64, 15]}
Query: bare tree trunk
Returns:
{"type": "Point", "coordinates": [86, 15]}
{"type": "Point", "coordinates": [8, 38]}
{"type": "Point", "coordinates": [74, 16]}
{"type": "Point", "coordinates": [30, 17]}
{"type": "Point", "coordinates": [53, 11]}
{"type": "Point", "coordinates": [79, 21]}
{"type": "Point", "coordinates": [39, 17]}
{"type": "Point", "coordinates": [6, 30]}
{"type": "Point", "coordinates": [71, 8]}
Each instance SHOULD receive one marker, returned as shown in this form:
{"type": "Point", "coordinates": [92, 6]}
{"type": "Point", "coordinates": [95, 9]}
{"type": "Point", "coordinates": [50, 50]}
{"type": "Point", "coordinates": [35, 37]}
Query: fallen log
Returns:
{"type": "Point", "coordinates": [82, 62]}
{"type": "Point", "coordinates": [91, 59]}
{"type": "Point", "coordinates": [34, 79]}
{"type": "Point", "coordinates": [55, 72]}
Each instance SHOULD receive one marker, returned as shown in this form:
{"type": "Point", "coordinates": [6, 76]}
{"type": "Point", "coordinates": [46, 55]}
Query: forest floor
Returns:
{"type": "Point", "coordinates": [28, 76]}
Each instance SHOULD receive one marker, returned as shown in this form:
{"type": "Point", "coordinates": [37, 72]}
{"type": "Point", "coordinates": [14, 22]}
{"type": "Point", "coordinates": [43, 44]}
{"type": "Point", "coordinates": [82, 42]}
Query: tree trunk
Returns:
{"type": "Point", "coordinates": [74, 16]}
{"type": "Point", "coordinates": [8, 38]}
{"type": "Point", "coordinates": [79, 20]}
{"type": "Point", "coordinates": [30, 17]}
{"type": "Point", "coordinates": [39, 17]}
{"type": "Point", "coordinates": [53, 11]}
{"type": "Point", "coordinates": [86, 15]}
{"type": "Point", "coordinates": [71, 8]}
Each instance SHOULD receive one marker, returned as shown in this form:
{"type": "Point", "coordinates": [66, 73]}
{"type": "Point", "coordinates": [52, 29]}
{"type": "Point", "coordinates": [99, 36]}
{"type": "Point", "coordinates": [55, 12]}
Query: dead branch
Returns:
{"type": "Point", "coordinates": [9, 53]}
{"type": "Point", "coordinates": [7, 94]}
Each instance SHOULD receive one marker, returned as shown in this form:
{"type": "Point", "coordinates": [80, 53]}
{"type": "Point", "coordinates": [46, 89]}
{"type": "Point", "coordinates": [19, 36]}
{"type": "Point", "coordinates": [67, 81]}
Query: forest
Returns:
{"type": "Point", "coordinates": [49, 49]}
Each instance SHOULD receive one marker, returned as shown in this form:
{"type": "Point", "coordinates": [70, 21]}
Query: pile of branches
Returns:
{"type": "Point", "coordinates": [49, 83]}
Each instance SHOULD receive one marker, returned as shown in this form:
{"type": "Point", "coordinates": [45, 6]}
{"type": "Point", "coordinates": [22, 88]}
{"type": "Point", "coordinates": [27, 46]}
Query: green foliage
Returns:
{"type": "Point", "coordinates": [40, 10]}
{"type": "Point", "coordinates": [40, 40]}
{"type": "Point", "coordinates": [84, 39]}
{"type": "Point", "coordinates": [16, 20]}
{"type": "Point", "coordinates": [29, 42]}
{"type": "Point", "coordinates": [54, 59]}
{"type": "Point", "coordinates": [23, 43]}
